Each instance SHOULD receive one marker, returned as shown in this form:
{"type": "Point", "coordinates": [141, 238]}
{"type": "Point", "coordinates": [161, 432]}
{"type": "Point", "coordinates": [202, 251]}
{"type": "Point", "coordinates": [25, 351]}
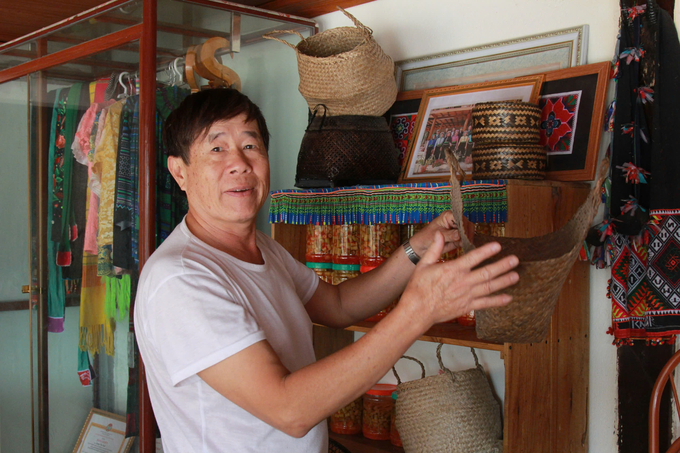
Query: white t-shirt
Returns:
{"type": "Point", "coordinates": [195, 307]}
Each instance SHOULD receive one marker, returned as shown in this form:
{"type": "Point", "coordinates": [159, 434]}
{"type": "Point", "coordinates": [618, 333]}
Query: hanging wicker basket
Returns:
{"type": "Point", "coordinates": [452, 412]}
{"type": "Point", "coordinates": [344, 69]}
{"type": "Point", "coordinates": [544, 264]}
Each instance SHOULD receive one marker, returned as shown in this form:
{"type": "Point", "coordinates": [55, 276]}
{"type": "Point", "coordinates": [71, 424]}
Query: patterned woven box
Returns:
{"type": "Point", "coordinates": [509, 161]}
{"type": "Point", "coordinates": [505, 122]}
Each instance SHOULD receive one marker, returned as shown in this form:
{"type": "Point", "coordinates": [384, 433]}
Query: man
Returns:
{"type": "Point", "coordinates": [224, 314]}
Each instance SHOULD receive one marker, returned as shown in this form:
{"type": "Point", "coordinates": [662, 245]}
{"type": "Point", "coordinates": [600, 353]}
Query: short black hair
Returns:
{"type": "Point", "coordinates": [199, 111]}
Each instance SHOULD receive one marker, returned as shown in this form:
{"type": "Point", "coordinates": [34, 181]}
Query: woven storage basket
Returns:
{"type": "Point", "coordinates": [453, 412]}
{"type": "Point", "coordinates": [345, 151]}
{"type": "Point", "coordinates": [344, 69]}
{"type": "Point", "coordinates": [544, 264]}
{"type": "Point", "coordinates": [505, 122]}
{"type": "Point", "coordinates": [509, 161]}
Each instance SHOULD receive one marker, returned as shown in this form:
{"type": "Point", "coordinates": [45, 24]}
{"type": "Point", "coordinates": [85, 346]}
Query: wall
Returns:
{"type": "Point", "coordinates": [435, 26]}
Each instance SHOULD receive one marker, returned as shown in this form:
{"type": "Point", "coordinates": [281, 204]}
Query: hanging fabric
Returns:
{"type": "Point", "coordinates": [56, 297]}
{"type": "Point", "coordinates": [645, 194]}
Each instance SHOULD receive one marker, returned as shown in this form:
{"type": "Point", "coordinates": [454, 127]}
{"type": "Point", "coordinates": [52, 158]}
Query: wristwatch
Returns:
{"type": "Point", "coordinates": [412, 255]}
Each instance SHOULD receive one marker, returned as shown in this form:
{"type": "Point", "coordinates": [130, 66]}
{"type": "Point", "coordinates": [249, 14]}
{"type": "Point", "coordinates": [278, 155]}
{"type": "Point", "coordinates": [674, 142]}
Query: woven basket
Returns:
{"type": "Point", "coordinates": [544, 264]}
{"type": "Point", "coordinates": [505, 122]}
{"type": "Point", "coordinates": [344, 69]}
{"type": "Point", "coordinates": [345, 151]}
{"type": "Point", "coordinates": [509, 161]}
{"type": "Point", "coordinates": [453, 412]}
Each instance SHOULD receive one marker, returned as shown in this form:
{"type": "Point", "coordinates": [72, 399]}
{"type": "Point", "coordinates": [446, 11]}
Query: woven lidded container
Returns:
{"type": "Point", "coordinates": [347, 150]}
{"type": "Point", "coordinates": [505, 122]}
{"type": "Point", "coordinates": [544, 265]}
{"type": "Point", "coordinates": [509, 161]}
{"type": "Point", "coordinates": [344, 69]}
{"type": "Point", "coordinates": [452, 412]}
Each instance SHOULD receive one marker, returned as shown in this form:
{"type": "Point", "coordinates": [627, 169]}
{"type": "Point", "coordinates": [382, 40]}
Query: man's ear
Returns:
{"type": "Point", "coordinates": [178, 170]}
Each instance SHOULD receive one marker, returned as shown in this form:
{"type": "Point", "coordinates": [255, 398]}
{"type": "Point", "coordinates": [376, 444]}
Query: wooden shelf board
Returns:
{"type": "Point", "coordinates": [447, 333]}
{"type": "Point", "coordinates": [356, 443]}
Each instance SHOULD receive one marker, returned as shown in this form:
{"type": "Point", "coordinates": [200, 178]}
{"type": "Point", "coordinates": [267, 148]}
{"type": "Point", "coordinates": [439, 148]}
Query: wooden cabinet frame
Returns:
{"type": "Point", "coordinates": [546, 384]}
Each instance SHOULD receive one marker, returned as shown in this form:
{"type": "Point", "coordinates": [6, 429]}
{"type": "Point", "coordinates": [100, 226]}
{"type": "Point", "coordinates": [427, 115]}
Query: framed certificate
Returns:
{"type": "Point", "coordinates": [103, 432]}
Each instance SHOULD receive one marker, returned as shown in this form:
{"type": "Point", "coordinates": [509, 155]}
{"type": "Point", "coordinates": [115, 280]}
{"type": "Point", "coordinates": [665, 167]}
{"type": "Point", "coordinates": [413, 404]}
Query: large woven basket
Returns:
{"type": "Point", "coordinates": [544, 264]}
{"type": "Point", "coordinates": [505, 122]}
{"type": "Point", "coordinates": [345, 151]}
{"type": "Point", "coordinates": [452, 412]}
{"type": "Point", "coordinates": [344, 69]}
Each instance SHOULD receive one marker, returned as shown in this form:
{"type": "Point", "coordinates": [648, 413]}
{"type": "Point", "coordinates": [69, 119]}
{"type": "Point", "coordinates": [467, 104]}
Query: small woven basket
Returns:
{"type": "Point", "coordinates": [452, 412]}
{"type": "Point", "coordinates": [544, 264]}
{"type": "Point", "coordinates": [509, 161]}
{"type": "Point", "coordinates": [505, 122]}
{"type": "Point", "coordinates": [345, 151]}
{"type": "Point", "coordinates": [344, 69]}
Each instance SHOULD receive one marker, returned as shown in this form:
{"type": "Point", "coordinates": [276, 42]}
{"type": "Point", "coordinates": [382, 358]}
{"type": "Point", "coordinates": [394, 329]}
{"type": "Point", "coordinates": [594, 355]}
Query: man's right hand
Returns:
{"type": "Point", "coordinates": [438, 292]}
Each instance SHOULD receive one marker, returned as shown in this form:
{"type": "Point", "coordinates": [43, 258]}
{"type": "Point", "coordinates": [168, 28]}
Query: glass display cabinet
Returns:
{"type": "Point", "coordinates": [132, 59]}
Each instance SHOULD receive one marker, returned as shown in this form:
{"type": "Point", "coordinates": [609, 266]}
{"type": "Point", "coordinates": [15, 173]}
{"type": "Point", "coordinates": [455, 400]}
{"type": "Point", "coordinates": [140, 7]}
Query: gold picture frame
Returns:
{"type": "Point", "coordinates": [447, 111]}
{"type": "Point", "coordinates": [103, 432]}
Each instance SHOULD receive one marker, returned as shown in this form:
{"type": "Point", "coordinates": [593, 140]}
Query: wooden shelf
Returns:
{"type": "Point", "coordinates": [448, 333]}
{"type": "Point", "coordinates": [356, 443]}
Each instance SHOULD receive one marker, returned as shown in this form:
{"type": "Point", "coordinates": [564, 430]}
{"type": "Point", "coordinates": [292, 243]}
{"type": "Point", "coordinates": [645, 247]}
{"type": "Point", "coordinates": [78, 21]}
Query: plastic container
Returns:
{"type": "Point", "coordinates": [377, 242]}
{"type": "Point", "coordinates": [467, 320]}
{"type": "Point", "coordinates": [382, 313]}
{"type": "Point", "coordinates": [409, 229]}
{"type": "Point", "coordinates": [319, 247]}
{"type": "Point", "coordinates": [346, 244]}
{"type": "Point", "coordinates": [342, 272]}
{"type": "Point", "coordinates": [323, 270]}
{"type": "Point", "coordinates": [348, 419]}
{"type": "Point", "coordinates": [378, 404]}
{"type": "Point", "coordinates": [395, 439]}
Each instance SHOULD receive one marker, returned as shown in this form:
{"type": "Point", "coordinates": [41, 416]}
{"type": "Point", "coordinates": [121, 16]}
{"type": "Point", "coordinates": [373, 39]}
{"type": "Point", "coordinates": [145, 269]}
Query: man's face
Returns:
{"type": "Point", "coordinates": [227, 179]}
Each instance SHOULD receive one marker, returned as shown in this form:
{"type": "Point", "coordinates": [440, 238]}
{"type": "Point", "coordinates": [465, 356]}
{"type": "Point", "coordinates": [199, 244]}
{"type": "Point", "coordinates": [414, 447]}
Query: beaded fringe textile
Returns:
{"type": "Point", "coordinates": [485, 201]}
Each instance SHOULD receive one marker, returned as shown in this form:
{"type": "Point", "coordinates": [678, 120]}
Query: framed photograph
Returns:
{"type": "Point", "coordinates": [529, 55]}
{"type": "Point", "coordinates": [444, 121]}
{"type": "Point", "coordinates": [573, 103]}
{"type": "Point", "coordinates": [103, 432]}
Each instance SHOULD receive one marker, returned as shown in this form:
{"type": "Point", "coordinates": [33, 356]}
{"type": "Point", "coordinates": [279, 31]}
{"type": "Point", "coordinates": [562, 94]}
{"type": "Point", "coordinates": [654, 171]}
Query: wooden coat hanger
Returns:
{"type": "Point", "coordinates": [212, 70]}
{"type": "Point", "coordinates": [190, 68]}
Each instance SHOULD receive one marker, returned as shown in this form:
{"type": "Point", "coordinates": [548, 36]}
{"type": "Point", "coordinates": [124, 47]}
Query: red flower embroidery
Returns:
{"type": "Point", "coordinates": [555, 123]}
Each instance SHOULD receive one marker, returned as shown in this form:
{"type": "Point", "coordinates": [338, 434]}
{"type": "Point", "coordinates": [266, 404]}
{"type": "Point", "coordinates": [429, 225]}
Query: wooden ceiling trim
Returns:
{"type": "Point", "coordinates": [310, 8]}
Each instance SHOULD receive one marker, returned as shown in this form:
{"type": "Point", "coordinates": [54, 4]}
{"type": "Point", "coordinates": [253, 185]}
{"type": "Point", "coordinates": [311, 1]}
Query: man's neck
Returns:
{"type": "Point", "coordinates": [238, 241]}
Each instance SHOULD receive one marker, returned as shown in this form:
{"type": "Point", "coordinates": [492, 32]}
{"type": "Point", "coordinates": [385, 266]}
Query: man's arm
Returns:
{"type": "Point", "coordinates": [256, 380]}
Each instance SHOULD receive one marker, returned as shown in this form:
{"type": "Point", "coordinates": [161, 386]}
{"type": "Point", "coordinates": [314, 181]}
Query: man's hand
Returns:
{"type": "Point", "coordinates": [438, 292]}
{"type": "Point", "coordinates": [444, 224]}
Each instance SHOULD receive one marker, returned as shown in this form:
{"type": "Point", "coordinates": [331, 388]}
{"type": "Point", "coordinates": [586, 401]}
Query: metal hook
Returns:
{"type": "Point", "coordinates": [120, 82]}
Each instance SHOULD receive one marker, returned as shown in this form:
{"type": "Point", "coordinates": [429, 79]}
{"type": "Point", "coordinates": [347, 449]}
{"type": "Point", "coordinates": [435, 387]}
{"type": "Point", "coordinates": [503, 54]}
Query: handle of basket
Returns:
{"type": "Point", "coordinates": [441, 363]}
{"type": "Point", "coordinates": [422, 367]}
{"type": "Point", "coordinates": [366, 30]}
{"type": "Point", "coordinates": [457, 199]}
{"type": "Point", "coordinates": [595, 193]}
{"type": "Point", "coordinates": [323, 118]}
{"type": "Point", "coordinates": [270, 35]}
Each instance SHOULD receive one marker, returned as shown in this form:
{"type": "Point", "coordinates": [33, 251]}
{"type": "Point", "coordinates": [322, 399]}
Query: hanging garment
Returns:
{"type": "Point", "coordinates": [126, 188]}
{"type": "Point", "coordinates": [645, 194]}
{"type": "Point", "coordinates": [56, 297]}
{"type": "Point", "coordinates": [105, 158]}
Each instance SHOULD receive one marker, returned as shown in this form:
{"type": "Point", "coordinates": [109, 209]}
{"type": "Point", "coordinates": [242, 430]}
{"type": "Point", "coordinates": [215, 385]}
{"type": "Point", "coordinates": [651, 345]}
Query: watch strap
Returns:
{"type": "Point", "coordinates": [412, 255]}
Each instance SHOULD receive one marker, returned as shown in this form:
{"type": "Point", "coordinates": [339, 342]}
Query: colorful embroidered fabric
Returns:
{"type": "Point", "coordinates": [56, 294]}
{"type": "Point", "coordinates": [484, 201]}
{"type": "Point", "coordinates": [642, 235]}
{"type": "Point", "coordinates": [560, 111]}
{"type": "Point", "coordinates": [401, 126]}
